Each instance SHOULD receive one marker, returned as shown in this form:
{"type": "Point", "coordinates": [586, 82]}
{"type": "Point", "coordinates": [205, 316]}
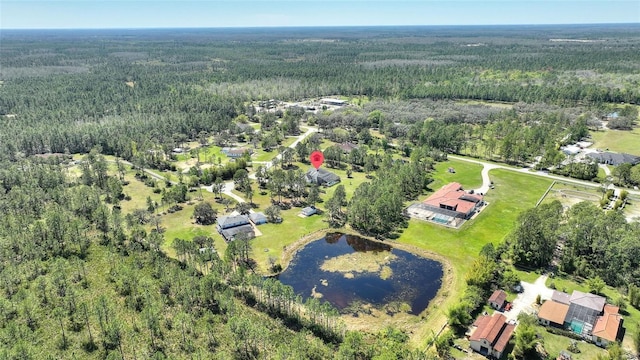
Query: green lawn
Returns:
{"type": "Point", "coordinates": [276, 236]}
{"type": "Point", "coordinates": [555, 343]}
{"type": "Point", "coordinates": [466, 173]}
{"type": "Point", "coordinates": [617, 140]}
{"type": "Point", "coordinates": [139, 193]}
{"type": "Point", "coordinates": [513, 194]}
{"type": "Point", "coordinates": [181, 225]}
{"type": "Point", "coordinates": [261, 155]}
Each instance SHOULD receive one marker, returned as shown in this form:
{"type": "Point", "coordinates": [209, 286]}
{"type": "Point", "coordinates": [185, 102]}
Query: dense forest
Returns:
{"type": "Point", "coordinates": [82, 278]}
{"type": "Point", "coordinates": [66, 91]}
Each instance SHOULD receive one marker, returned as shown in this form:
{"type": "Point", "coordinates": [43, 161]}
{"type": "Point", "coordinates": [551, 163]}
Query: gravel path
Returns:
{"type": "Point", "coordinates": [526, 300]}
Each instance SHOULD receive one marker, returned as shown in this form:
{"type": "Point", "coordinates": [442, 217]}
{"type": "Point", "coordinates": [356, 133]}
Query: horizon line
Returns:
{"type": "Point", "coordinates": [316, 26]}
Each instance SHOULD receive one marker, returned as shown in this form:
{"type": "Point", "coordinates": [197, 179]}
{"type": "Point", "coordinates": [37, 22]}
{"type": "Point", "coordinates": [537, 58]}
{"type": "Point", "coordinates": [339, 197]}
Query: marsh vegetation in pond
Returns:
{"type": "Point", "coordinates": [351, 273]}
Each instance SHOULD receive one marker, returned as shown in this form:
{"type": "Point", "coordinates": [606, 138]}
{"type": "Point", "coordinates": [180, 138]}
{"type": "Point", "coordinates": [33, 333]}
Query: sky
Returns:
{"type": "Point", "coordinates": [73, 14]}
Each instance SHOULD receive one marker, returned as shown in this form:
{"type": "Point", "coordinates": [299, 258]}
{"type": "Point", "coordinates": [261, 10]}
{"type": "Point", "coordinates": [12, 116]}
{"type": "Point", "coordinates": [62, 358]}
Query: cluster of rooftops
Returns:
{"type": "Point", "coordinates": [586, 315]}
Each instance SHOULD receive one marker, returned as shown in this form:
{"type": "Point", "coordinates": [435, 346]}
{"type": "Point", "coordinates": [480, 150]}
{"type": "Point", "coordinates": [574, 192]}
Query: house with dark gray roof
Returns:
{"type": "Point", "coordinates": [230, 234]}
{"type": "Point", "coordinates": [561, 297]}
{"type": "Point", "coordinates": [322, 177]}
{"type": "Point", "coordinates": [347, 147]}
{"type": "Point", "coordinates": [231, 226]}
{"type": "Point", "coordinates": [610, 158]}
{"type": "Point", "coordinates": [226, 222]}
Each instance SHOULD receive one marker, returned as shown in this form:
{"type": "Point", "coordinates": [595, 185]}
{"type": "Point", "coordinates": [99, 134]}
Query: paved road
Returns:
{"type": "Point", "coordinates": [533, 173]}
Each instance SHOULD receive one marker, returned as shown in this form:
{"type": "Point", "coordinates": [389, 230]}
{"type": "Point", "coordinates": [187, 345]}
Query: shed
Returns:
{"type": "Point", "coordinates": [258, 218]}
{"type": "Point", "coordinates": [498, 299]}
{"type": "Point", "coordinates": [308, 211]}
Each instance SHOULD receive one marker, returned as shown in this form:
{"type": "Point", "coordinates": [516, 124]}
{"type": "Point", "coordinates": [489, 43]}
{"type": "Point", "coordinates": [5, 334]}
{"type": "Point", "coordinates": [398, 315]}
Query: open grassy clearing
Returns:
{"type": "Point", "coordinates": [180, 224]}
{"type": "Point", "coordinates": [139, 193]}
{"type": "Point", "coordinates": [617, 140]}
{"type": "Point", "coordinates": [513, 194]}
{"type": "Point", "coordinates": [261, 155]}
{"type": "Point", "coordinates": [501, 105]}
{"type": "Point", "coordinates": [466, 173]}
{"type": "Point", "coordinates": [571, 194]}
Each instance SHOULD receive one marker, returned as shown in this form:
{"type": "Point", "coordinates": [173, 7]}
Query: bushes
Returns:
{"type": "Point", "coordinates": [567, 333]}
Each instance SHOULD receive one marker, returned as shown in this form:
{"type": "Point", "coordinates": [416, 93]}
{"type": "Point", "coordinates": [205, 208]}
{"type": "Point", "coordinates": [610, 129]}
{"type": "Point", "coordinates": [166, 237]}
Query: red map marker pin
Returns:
{"type": "Point", "coordinates": [317, 158]}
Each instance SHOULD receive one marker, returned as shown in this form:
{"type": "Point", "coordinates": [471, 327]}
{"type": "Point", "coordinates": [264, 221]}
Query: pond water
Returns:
{"type": "Point", "coordinates": [347, 270]}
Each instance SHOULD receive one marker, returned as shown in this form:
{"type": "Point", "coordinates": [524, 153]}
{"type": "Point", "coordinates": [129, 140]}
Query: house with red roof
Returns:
{"type": "Point", "coordinates": [552, 313]}
{"type": "Point", "coordinates": [585, 314]}
{"type": "Point", "coordinates": [608, 326]}
{"type": "Point", "coordinates": [452, 200]}
{"type": "Point", "coordinates": [491, 334]}
{"type": "Point", "coordinates": [498, 299]}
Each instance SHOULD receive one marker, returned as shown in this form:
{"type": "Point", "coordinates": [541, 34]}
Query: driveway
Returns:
{"type": "Point", "coordinates": [526, 300]}
{"type": "Point", "coordinates": [537, 173]}
{"type": "Point", "coordinates": [486, 181]}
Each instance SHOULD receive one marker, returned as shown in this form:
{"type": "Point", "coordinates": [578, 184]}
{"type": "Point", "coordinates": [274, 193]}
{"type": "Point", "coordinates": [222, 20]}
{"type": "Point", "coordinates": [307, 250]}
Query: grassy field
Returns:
{"type": "Point", "coordinates": [261, 155]}
{"type": "Point", "coordinates": [617, 140]}
{"type": "Point", "coordinates": [466, 173]}
{"type": "Point", "coordinates": [571, 194]}
{"type": "Point", "coordinates": [513, 193]}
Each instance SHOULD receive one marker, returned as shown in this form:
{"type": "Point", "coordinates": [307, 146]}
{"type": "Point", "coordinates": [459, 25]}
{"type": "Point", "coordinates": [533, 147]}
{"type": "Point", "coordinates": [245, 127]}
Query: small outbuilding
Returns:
{"type": "Point", "coordinates": [498, 299]}
{"type": "Point", "coordinates": [258, 218]}
{"type": "Point", "coordinates": [308, 211]}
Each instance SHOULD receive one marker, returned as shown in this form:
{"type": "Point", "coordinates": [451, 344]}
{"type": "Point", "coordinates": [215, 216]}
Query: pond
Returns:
{"type": "Point", "coordinates": [347, 270]}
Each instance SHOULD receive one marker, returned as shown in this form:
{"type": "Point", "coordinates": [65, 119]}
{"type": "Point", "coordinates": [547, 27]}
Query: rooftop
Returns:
{"type": "Point", "coordinates": [494, 329]}
{"type": "Point", "coordinates": [607, 326]}
{"type": "Point", "coordinates": [230, 221]}
{"type": "Point", "coordinates": [321, 176]}
{"type": "Point", "coordinates": [553, 311]}
{"type": "Point", "coordinates": [230, 233]}
{"type": "Point", "coordinates": [452, 195]}
{"type": "Point", "coordinates": [498, 297]}
{"type": "Point", "coordinates": [614, 158]}
{"type": "Point", "coordinates": [347, 146]}
{"type": "Point", "coordinates": [561, 297]}
{"type": "Point", "coordinates": [590, 301]}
